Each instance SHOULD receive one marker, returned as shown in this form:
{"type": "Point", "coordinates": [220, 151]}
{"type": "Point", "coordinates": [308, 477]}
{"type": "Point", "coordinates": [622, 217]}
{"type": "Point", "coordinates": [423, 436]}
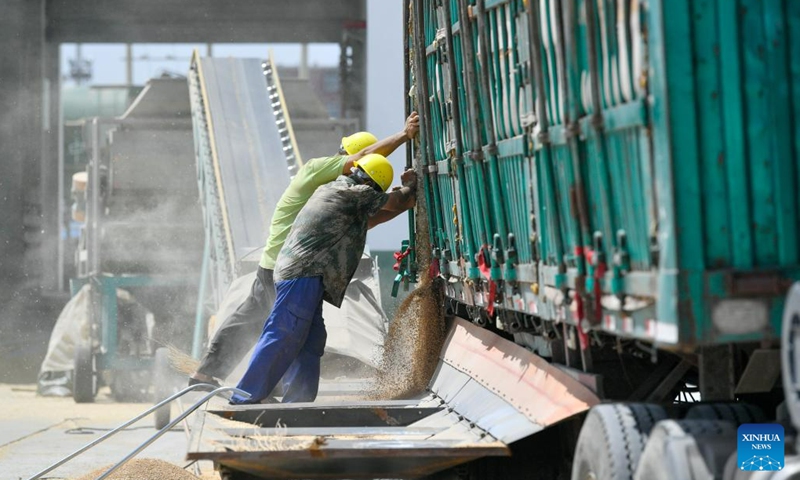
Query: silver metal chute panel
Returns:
{"type": "Point", "coordinates": [486, 393]}
{"type": "Point", "coordinates": [357, 440]}
{"type": "Point", "coordinates": [251, 161]}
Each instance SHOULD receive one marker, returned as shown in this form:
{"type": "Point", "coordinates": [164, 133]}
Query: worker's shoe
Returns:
{"type": "Point", "coordinates": [215, 384]}
{"type": "Point", "coordinates": [267, 400]}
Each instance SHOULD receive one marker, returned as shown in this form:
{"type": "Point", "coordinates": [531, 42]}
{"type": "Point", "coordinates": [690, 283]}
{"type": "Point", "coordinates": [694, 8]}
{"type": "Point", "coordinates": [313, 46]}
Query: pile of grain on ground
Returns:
{"type": "Point", "coordinates": [143, 469]}
{"type": "Point", "coordinates": [411, 350]}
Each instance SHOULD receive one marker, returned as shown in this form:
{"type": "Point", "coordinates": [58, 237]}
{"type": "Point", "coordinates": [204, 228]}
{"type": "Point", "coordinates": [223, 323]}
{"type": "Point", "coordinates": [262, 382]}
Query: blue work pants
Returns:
{"type": "Point", "coordinates": [292, 342]}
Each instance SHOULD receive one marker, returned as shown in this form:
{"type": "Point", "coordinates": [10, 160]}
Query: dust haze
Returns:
{"type": "Point", "coordinates": [27, 313]}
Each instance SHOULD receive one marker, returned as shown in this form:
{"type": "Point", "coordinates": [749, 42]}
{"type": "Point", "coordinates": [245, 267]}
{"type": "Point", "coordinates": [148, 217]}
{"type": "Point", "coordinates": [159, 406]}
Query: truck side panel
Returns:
{"type": "Point", "coordinates": [631, 166]}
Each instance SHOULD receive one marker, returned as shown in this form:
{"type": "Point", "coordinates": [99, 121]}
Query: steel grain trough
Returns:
{"type": "Point", "coordinates": [486, 393]}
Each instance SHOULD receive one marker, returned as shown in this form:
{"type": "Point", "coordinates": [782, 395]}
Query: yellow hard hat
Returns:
{"type": "Point", "coordinates": [357, 142]}
{"type": "Point", "coordinates": [378, 168]}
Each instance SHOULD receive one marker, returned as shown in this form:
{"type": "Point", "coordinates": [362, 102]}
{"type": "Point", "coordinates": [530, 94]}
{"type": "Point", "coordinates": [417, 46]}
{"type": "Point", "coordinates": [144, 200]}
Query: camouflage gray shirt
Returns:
{"type": "Point", "coordinates": [328, 236]}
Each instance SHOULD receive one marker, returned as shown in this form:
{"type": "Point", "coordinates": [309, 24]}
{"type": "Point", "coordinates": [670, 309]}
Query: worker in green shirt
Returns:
{"type": "Point", "coordinates": [240, 331]}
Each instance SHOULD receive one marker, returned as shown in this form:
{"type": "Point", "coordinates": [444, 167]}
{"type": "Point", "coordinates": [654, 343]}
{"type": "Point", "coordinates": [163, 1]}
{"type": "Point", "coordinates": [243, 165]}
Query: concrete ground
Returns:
{"type": "Point", "coordinates": [36, 432]}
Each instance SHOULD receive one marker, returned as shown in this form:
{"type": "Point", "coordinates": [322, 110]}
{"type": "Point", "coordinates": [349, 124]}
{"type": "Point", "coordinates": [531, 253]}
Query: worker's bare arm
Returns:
{"type": "Point", "coordinates": [391, 210]}
{"type": "Point", "coordinates": [398, 199]}
{"type": "Point", "coordinates": [402, 199]}
{"type": "Point", "coordinates": [389, 144]}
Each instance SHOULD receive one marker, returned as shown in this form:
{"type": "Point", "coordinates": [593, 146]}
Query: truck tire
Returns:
{"type": "Point", "coordinates": [790, 357]}
{"type": "Point", "coordinates": [736, 413]}
{"type": "Point", "coordinates": [687, 449]}
{"type": "Point", "coordinates": [612, 440]}
{"type": "Point", "coordinates": [162, 386]}
{"type": "Point", "coordinates": [84, 382]}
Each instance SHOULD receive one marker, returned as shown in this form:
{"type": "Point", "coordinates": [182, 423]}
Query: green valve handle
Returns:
{"type": "Point", "coordinates": [396, 285]}
{"type": "Point", "coordinates": [402, 267]}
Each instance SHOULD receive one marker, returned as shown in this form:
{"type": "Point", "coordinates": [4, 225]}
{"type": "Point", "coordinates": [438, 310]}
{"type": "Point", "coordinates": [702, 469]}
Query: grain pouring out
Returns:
{"type": "Point", "coordinates": [417, 330]}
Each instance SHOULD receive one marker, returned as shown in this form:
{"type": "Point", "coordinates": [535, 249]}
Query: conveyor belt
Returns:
{"type": "Point", "coordinates": [243, 167]}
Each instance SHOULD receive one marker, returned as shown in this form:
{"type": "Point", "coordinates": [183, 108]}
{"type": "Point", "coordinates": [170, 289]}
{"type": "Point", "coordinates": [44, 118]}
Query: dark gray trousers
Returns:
{"type": "Point", "coordinates": [241, 329]}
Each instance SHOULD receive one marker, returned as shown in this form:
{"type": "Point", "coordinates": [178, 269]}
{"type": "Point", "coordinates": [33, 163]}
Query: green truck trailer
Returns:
{"type": "Point", "coordinates": [613, 184]}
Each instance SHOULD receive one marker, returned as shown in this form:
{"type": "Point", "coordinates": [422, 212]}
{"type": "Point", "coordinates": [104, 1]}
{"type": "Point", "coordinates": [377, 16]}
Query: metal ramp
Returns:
{"type": "Point", "coordinates": [486, 393]}
{"type": "Point", "coordinates": [241, 136]}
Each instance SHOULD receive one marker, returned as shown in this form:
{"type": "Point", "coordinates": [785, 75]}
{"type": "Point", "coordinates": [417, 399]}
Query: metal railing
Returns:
{"type": "Point", "coordinates": [153, 438]}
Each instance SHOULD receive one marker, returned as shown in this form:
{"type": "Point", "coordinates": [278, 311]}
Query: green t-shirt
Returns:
{"type": "Point", "coordinates": [315, 172]}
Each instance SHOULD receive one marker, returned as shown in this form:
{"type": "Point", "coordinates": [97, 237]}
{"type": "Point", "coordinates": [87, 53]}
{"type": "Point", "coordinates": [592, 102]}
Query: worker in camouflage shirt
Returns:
{"type": "Point", "coordinates": [316, 263]}
{"type": "Point", "coordinates": [240, 330]}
